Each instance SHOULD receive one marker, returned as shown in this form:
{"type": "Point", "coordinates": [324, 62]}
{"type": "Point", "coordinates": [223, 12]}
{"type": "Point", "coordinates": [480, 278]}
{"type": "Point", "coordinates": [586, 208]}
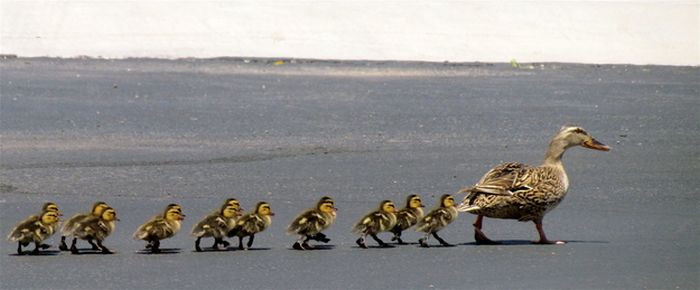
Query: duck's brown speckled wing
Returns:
{"type": "Point", "coordinates": [502, 178]}
{"type": "Point", "coordinates": [516, 191]}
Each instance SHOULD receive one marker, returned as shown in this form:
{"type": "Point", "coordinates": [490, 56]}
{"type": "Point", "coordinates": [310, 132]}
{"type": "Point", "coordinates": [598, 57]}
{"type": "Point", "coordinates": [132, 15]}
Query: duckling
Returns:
{"type": "Point", "coordinates": [311, 222]}
{"type": "Point", "coordinates": [250, 224]}
{"type": "Point", "coordinates": [320, 237]}
{"type": "Point", "coordinates": [437, 219]}
{"type": "Point", "coordinates": [381, 220]}
{"type": "Point", "coordinates": [407, 216]}
{"type": "Point", "coordinates": [35, 231]}
{"type": "Point", "coordinates": [97, 209]}
{"type": "Point", "coordinates": [217, 224]}
{"type": "Point", "coordinates": [48, 206]}
{"type": "Point", "coordinates": [94, 228]}
{"type": "Point", "coordinates": [514, 190]}
{"type": "Point", "coordinates": [160, 227]}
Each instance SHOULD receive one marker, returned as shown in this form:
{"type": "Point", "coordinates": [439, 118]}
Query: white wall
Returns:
{"type": "Point", "coordinates": [612, 31]}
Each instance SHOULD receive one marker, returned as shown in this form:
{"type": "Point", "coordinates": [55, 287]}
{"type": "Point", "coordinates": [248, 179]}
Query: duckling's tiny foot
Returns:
{"type": "Point", "coordinates": [225, 244]}
{"type": "Point", "coordinates": [44, 246]}
{"type": "Point", "coordinates": [306, 246]}
{"type": "Point", "coordinates": [361, 242]}
{"type": "Point", "coordinates": [74, 251]}
{"type": "Point", "coordinates": [63, 246]}
{"type": "Point", "coordinates": [106, 252]}
{"type": "Point", "coordinates": [198, 249]}
{"type": "Point", "coordinates": [297, 246]}
{"type": "Point", "coordinates": [320, 237]}
{"type": "Point", "coordinates": [423, 243]}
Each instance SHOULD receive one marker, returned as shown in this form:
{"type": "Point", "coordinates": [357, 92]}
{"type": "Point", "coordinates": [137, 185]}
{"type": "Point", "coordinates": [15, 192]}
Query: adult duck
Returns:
{"type": "Point", "coordinates": [517, 191]}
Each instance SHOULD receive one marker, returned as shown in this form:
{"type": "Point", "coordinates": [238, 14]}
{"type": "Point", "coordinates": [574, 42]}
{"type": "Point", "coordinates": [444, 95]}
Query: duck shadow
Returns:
{"type": "Point", "coordinates": [163, 251]}
{"type": "Point", "coordinates": [212, 250]}
{"type": "Point", "coordinates": [405, 244]}
{"type": "Point", "coordinates": [230, 249]}
{"type": "Point", "coordinates": [315, 248]}
{"type": "Point", "coordinates": [437, 246]}
{"type": "Point", "coordinates": [389, 246]}
{"type": "Point", "coordinates": [40, 253]}
{"type": "Point", "coordinates": [249, 249]}
{"type": "Point", "coordinates": [529, 242]}
{"type": "Point", "coordinates": [90, 251]}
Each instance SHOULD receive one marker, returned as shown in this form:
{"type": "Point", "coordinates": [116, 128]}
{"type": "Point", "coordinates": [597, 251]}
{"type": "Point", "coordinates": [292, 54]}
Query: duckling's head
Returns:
{"type": "Point", "coordinates": [49, 217]}
{"type": "Point", "coordinates": [323, 200]}
{"type": "Point", "coordinates": [387, 206]}
{"type": "Point", "coordinates": [109, 214]}
{"type": "Point", "coordinates": [447, 200]}
{"type": "Point", "coordinates": [263, 208]}
{"type": "Point", "coordinates": [326, 198]}
{"type": "Point", "coordinates": [414, 201]}
{"type": "Point", "coordinates": [50, 206]}
{"type": "Point", "coordinates": [173, 206]}
{"type": "Point", "coordinates": [99, 207]}
{"type": "Point", "coordinates": [229, 211]}
{"type": "Point", "coordinates": [174, 214]}
{"type": "Point", "coordinates": [234, 202]}
{"type": "Point", "coordinates": [327, 207]}
{"type": "Point", "coordinates": [570, 136]}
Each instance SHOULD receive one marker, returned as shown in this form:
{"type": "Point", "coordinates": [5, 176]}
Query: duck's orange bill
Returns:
{"type": "Point", "coordinates": [595, 145]}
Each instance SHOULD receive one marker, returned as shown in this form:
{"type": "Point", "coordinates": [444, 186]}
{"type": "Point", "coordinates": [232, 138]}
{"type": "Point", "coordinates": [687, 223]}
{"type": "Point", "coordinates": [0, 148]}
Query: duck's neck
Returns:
{"type": "Point", "coordinates": [555, 152]}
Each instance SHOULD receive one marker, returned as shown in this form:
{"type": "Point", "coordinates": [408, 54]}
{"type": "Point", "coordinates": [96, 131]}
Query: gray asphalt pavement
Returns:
{"type": "Point", "coordinates": [140, 134]}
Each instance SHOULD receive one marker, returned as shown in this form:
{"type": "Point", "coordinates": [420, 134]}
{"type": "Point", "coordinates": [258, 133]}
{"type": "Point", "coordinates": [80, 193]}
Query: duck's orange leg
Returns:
{"type": "Point", "coordinates": [479, 236]}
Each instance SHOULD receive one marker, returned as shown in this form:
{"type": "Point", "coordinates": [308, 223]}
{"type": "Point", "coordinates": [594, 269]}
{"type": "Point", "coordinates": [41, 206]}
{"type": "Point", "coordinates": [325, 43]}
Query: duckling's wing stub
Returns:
{"type": "Point", "coordinates": [246, 225]}
{"type": "Point", "coordinates": [307, 222]}
{"type": "Point", "coordinates": [20, 230]}
{"type": "Point", "coordinates": [209, 224]}
{"type": "Point", "coordinates": [436, 219]}
{"type": "Point", "coordinates": [157, 228]}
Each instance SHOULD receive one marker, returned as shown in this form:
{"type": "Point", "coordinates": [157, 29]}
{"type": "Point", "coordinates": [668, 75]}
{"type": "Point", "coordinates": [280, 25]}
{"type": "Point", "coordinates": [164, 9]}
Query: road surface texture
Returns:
{"type": "Point", "coordinates": [141, 133]}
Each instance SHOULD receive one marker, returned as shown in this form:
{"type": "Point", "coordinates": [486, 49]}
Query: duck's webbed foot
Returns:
{"type": "Point", "coordinates": [543, 238]}
{"type": "Point", "coordinates": [481, 239]}
{"type": "Point", "coordinates": [479, 236]}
